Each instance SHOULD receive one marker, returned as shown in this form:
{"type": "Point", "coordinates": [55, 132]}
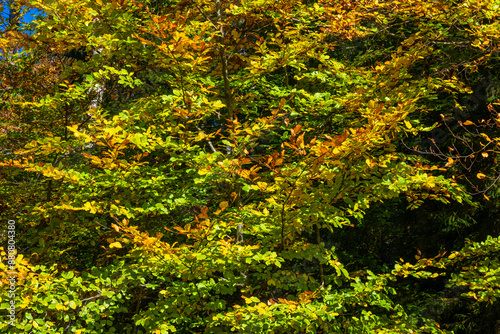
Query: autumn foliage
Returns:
{"type": "Point", "coordinates": [252, 166]}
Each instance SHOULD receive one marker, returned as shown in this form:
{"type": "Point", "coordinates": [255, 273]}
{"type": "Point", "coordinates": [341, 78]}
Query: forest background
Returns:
{"type": "Point", "coordinates": [251, 166]}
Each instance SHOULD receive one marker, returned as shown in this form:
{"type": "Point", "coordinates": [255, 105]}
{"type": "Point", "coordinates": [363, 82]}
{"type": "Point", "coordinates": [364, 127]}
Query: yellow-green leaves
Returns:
{"type": "Point", "coordinates": [246, 166]}
{"type": "Point", "coordinates": [115, 245]}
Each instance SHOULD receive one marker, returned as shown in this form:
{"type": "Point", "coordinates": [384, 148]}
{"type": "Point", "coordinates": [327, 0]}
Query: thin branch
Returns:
{"type": "Point", "coordinates": [214, 150]}
{"type": "Point", "coordinates": [98, 296]}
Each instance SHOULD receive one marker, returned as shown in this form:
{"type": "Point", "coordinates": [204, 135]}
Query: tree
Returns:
{"type": "Point", "coordinates": [231, 145]}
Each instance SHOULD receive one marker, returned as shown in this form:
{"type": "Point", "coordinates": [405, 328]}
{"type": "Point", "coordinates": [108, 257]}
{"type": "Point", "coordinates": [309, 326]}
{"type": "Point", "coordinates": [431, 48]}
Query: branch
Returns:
{"type": "Point", "coordinates": [214, 150]}
{"type": "Point", "coordinates": [98, 296]}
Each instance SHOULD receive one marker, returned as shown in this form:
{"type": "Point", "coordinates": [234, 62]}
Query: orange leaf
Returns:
{"type": "Point", "coordinates": [282, 102]}
{"type": "Point", "coordinates": [204, 212]}
{"type": "Point", "coordinates": [297, 129]}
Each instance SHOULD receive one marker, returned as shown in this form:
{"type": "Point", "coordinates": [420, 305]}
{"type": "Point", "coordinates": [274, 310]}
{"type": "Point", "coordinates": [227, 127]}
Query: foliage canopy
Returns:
{"type": "Point", "coordinates": [252, 166]}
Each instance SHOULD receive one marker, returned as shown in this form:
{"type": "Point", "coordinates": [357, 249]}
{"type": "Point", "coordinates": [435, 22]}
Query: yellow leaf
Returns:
{"type": "Point", "coordinates": [468, 123]}
{"type": "Point", "coordinates": [223, 205]}
{"type": "Point", "coordinates": [480, 176]}
{"type": "Point", "coordinates": [484, 154]}
{"type": "Point", "coordinates": [408, 124]}
{"type": "Point", "coordinates": [116, 227]}
{"type": "Point", "coordinates": [487, 198]}
{"type": "Point", "coordinates": [115, 245]}
{"type": "Point", "coordinates": [218, 105]}
{"type": "Point", "coordinates": [300, 141]}
{"type": "Point", "coordinates": [203, 171]}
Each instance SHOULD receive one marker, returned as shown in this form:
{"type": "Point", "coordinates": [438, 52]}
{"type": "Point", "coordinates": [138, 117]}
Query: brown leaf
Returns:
{"type": "Point", "coordinates": [204, 213]}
